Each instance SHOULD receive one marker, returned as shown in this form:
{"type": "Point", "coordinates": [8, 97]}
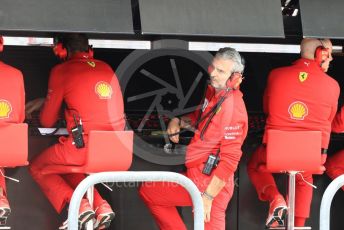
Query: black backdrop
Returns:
{"type": "Point", "coordinates": [32, 211]}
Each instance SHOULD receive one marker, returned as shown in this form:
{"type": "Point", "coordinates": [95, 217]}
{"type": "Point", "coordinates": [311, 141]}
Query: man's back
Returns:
{"type": "Point", "coordinates": [90, 90]}
{"type": "Point", "coordinates": [301, 97]}
{"type": "Point", "coordinates": [12, 94]}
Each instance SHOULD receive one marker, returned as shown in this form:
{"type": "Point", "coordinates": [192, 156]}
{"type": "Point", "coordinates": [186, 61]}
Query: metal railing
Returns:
{"type": "Point", "coordinates": [136, 176]}
{"type": "Point", "coordinates": [326, 202]}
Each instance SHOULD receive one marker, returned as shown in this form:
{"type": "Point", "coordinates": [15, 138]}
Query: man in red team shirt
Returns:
{"type": "Point", "coordinates": [335, 164]}
{"type": "Point", "coordinates": [92, 94]}
{"type": "Point", "coordinates": [12, 110]}
{"type": "Point", "coordinates": [224, 135]}
{"type": "Point", "coordinates": [306, 86]}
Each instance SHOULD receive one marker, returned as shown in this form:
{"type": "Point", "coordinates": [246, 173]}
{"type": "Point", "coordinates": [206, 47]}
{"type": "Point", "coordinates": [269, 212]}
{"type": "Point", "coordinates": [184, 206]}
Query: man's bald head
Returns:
{"type": "Point", "coordinates": [309, 45]}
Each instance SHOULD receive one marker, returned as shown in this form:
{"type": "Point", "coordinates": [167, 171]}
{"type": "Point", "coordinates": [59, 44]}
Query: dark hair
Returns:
{"type": "Point", "coordinates": [75, 42]}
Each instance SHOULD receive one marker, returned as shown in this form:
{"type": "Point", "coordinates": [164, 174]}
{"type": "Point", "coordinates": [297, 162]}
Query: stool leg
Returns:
{"type": "Point", "coordinates": [89, 195]}
{"type": "Point", "coordinates": [291, 200]}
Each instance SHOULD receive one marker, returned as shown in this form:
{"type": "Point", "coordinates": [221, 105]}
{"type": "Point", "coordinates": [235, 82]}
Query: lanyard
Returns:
{"type": "Point", "coordinates": [210, 114]}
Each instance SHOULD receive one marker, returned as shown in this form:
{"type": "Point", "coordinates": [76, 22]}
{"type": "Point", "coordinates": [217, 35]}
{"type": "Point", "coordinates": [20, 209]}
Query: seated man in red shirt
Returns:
{"type": "Point", "coordinates": [335, 164]}
{"type": "Point", "coordinates": [93, 97]}
{"type": "Point", "coordinates": [221, 128]}
{"type": "Point", "coordinates": [306, 86]}
{"type": "Point", "coordinates": [12, 107]}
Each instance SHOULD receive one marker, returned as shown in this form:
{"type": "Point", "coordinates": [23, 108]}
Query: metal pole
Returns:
{"type": "Point", "coordinates": [90, 197]}
{"type": "Point", "coordinates": [291, 200]}
{"type": "Point", "coordinates": [137, 176]}
{"type": "Point", "coordinates": [326, 201]}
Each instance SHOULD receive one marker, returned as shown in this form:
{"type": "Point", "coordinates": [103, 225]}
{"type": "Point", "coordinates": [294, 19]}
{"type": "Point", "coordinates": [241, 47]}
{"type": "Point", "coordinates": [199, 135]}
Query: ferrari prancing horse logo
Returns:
{"type": "Point", "coordinates": [303, 76]}
{"type": "Point", "coordinates": [91, 63]}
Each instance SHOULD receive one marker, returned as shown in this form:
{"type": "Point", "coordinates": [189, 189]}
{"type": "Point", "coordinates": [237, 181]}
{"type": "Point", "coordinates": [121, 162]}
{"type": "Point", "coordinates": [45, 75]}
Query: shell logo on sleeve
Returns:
{"type": "Point", "coordinates": [5, 109]}
{"type": "Point", "coordinates": [104, 90]}
{"type": "Point", "coordinates": [298, 110]}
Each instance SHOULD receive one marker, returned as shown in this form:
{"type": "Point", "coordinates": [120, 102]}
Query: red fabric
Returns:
{"type": "Point", "coordinates": [163, 197]}
{"type": "Point", "coordinates": [288, 90]}
{"type": "Point", "coordinates": [58, 188]}
{"type": "Point", "coordinates": [335, 166]}
{"type": "Point", "coordinates": [90, 90]}
{"type": "Point", "coordinates": [299, 221]}
{"type": "Point", "coordinates": [75, 82]}
{"type": "Point", "coordinates": [12, 99]}
{"type": "Point", "coordinates": [263, 180]}
{"type": "Point", "coordinates": [338, 122]}
{"type": "Point", "coordinates": [323, 158]}
{"type": "Point", "coordinates": [12, 90]}
{"type": "Point", "coordinates": [297, 97]}
{"type": "Point", "coordinates": [227, 132]}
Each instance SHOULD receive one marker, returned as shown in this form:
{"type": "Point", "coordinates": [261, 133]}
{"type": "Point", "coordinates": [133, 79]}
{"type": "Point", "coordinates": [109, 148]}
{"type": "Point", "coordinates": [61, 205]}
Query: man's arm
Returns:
{"type": "Point", "coordinates": [234, 133]}
{"type": "Point", "coordinates": [22, 99]}
{"type": "Point", "coordinates": [175, 125]}
{"type": "Point", "coordinates": [338, 122]}
{"type": "Point", "coordinates": [185, 122]}
{"type": "Point", "coordinates": [52, 104]}
{"type": "Point", "coordinates": [213, 189]}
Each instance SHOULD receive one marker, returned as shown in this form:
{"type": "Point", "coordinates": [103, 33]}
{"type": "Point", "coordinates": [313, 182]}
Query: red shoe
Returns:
{"type": "Point", "coordinates": [5, 210]}
{"type": "Point", "coordinates": [277, 212]}
{"type": "Point", "coordinates": [104, 216]}
{"type": "Point", "coordinates": [86, 214]}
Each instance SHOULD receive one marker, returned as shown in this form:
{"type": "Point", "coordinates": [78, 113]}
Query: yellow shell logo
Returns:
{"type": "Point", "coordinates": [5, 109]}
{"type": "Point", "coordinates": [104, 90]}
{"type": "Point", "coordinates": [303, 76]}
{"type": "Point", "coordinates": [298, 110]}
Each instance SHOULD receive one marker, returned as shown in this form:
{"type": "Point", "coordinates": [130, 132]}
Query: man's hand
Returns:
{"type": "Point", "coordinates": [207, 208]}
{"type": "Point", "coordinates": [34, 105]}
{"type": "Point", "coordinates": [173, 127]}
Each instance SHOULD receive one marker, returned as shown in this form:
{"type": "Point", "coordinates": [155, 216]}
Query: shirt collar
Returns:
{"type": "Point", "coordinates": [80, 55]}
{"type": "Point", "coordinates": [217, 94]}
{"type": "Point", "coordinates": [308, 63]}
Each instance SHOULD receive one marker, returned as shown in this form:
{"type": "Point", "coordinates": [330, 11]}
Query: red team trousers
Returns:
{"type": "Point", "coordinates": [262, 180]}
{"type": "Point", "coordinates": [59, 188]}
{"type": "Point", "coordinates": [162, 198]}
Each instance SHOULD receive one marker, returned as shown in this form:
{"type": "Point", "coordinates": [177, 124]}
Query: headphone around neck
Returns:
{"type": "Point", "coordinates": [234, 80]}
{"type": "Point", "coordinates": [61, 51]}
